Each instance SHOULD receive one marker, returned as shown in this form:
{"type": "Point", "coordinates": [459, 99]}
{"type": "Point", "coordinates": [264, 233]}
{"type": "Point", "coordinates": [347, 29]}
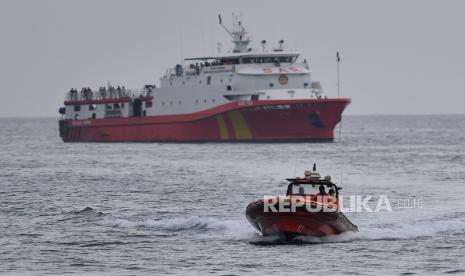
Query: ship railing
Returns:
{"type": "Point", "coordinates": [316, 88]}
{"type": "Point", "coordinates": [107, 94]}
{"type": "Point", "coordinates": [170, 72]}
{"type": "Point", "coordinates": [195, 70]}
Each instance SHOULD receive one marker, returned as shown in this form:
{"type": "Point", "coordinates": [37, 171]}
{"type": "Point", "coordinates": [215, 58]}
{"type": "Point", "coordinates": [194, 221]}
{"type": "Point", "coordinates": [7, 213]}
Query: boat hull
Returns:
{"type": "Point", "coordinates": [299, 223]}
{"type": "Point", "coordinates": [277, 120]}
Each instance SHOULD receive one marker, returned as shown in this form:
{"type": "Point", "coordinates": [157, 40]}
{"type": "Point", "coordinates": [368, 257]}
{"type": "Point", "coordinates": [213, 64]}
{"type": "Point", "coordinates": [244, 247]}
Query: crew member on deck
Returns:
{"type": "Point", "coordinates": [322, 190]}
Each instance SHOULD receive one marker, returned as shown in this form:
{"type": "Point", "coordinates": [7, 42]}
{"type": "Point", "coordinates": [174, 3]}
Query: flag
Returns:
{"type": "Point", "coordinates": [338, 58]}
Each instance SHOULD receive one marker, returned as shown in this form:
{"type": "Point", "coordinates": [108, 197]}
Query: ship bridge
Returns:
{"type": "Point", "coordinates": [251, 57]}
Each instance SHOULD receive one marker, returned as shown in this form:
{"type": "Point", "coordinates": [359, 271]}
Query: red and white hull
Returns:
{"type": "Point", "coordinates": [258, 120]}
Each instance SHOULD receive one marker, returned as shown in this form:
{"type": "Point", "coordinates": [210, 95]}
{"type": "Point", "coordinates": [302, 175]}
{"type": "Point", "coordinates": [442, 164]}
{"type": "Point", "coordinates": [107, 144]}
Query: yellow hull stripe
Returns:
{"type": "Point", "coordinates": [240, 125]}
{"type": "Point", "coordinates": [224, 134]}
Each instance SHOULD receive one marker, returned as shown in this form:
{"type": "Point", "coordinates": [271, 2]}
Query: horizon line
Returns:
{"type": "Point", "coordinates": [347, 115]}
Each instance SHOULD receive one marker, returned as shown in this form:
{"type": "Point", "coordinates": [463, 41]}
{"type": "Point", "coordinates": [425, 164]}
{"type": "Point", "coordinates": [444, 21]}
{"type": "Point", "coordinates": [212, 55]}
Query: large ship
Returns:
{"type": "Point", "coordinates": [244, 95]}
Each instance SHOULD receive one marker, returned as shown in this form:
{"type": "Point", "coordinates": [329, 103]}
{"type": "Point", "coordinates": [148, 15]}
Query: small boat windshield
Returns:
{"type": "Point", "coordinates": [308, 189]}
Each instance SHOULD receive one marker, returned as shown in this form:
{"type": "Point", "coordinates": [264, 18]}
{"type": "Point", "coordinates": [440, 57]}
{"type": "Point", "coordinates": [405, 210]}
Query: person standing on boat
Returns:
{"type": "Point", "coordinates": [322, 190]}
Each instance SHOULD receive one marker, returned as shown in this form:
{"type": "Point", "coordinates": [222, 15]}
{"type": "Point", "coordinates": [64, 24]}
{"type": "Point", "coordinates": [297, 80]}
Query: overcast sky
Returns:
{"type": "Point", "coordinates": [398, 56]}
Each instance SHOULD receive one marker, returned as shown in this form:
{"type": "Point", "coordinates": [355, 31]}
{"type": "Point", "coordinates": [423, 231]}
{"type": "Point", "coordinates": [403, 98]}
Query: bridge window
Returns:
{"type": "Point", "coordinates": [268, 60]}
{"type": "Point", "coordinates": [289, 59]}
{"type": "Point", "coordinates": [92, 106]}
{"type": "Point", "coordinates": [246, 60]}
{"type": "Point", "coordinates": [77, 108]}
{"type": "Point", "coordinates": [271, 84]}
{"type": "Point", "coordinates": [148, 104]}
{"type": "Point", "coordinates": [230, 61]}
{"type": "Point", "coordinates": [281, 59]}
{"type": "Point", "coordinates": [228, 88]}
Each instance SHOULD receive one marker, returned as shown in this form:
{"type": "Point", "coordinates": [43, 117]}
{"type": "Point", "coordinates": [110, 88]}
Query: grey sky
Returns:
{"type": "Point", "coordinates": [398, 56]}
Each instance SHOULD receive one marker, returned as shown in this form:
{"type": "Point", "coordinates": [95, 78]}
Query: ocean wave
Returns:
{"type": "Point", "coordinates": [87, 213]}
{"type": "Point", "coordinates": [205, 227]}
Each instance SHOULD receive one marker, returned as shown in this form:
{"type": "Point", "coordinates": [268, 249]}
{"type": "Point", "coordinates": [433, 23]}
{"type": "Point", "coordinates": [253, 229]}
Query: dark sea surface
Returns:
{"type": "Point", "coordinates": [153, 208]}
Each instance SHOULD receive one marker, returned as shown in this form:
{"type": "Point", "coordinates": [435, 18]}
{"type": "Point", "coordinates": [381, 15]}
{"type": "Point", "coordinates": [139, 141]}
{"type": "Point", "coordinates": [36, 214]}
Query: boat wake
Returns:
{"type": "Point", "coordinates": [393, 232]}
{"type": "Point", "coordinates": [240, 230]}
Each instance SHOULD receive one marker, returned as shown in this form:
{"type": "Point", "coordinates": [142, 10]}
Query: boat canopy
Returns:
{"type": "Point", "coordinates": [310, 185]}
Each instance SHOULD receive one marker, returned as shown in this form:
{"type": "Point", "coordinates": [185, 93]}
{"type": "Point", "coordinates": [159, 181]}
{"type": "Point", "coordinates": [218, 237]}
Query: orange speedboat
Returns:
{"type": "Point", "coordinates": [310, 208]}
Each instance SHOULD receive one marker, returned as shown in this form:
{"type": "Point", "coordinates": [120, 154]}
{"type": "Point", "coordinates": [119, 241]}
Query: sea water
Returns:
{"type": "Point", "coordinates": [179, 208]}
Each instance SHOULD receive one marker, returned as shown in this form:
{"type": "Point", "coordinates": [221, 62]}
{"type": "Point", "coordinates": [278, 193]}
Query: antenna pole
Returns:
{"type": "Point", "coordinates": [338, 59]}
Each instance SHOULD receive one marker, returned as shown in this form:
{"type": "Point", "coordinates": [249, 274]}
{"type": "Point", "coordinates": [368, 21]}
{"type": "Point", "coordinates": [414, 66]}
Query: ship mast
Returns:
{"type": "Point", "coordinates": [238, 35]}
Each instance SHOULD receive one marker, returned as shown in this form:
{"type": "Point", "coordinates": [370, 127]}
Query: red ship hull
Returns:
{"type": "Point", "coordinates": [274, 120]}
{"type": "Point", "coordinates": [300, 223]}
